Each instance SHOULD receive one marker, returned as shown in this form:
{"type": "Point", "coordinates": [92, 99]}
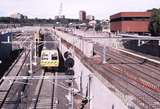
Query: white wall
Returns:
{"type": "Point", "coordinates": [85, 46]}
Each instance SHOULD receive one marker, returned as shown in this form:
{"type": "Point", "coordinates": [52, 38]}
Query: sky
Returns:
{"type": "Point", "coordinates": [101, 9]}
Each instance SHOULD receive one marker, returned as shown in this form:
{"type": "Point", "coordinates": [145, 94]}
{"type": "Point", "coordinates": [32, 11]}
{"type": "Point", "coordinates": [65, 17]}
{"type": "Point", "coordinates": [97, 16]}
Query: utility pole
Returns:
{"type": "Point", "coordinates": [72, 99]}
{"type": "Point", "coordinates": [81, 89]}
{"type": "Point", "coordinates": [35, 54]}
{"type": "Point", "coordinates": [104, 54]}
{"type": "Point", "coordinates": [55, 88]}
{"type": "Point", "coordinates": [31, 70]}
{"type": "Point", "coordinates": [89, 89]}
{"type": "Point", "coordinates": [60, 43]}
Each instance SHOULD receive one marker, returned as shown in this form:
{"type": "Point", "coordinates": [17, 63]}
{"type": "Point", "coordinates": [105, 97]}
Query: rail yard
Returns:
{"type": "Point", "coordinates": [31, 82]}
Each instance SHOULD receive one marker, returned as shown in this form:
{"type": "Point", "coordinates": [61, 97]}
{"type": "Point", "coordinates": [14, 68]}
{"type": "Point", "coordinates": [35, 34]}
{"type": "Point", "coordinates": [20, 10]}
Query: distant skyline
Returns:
{"type": "Point", "coordinates": [101, 9]}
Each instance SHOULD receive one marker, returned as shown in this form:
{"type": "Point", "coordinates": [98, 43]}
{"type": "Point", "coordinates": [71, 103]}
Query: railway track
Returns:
{"type": "Point", "coordinates": [135, 68]}
{"type": "Point", "coordinates": [45, 93]}
{"type": "Point", "coordinates": [147, 97]}
{"type": "Point", "coordinates": [143, 99]}
{"type": "Point", "coordinates": [10, 89]}
{"type": "Point", "coordinates": [7, 85]}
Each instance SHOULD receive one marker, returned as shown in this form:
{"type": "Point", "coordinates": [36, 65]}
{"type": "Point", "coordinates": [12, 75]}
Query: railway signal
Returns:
{"type": "Point", "coordinates": [69, 63]}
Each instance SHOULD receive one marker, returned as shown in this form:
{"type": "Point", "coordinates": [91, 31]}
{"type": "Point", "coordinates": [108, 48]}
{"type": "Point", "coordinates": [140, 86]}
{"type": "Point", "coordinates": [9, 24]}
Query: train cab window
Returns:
{"type": "Point", "coordinates": [44, 58]}
{"type": "Point", "coordinates": [54, 57]}
{"type": "Point", "coordinates": [44, 55]}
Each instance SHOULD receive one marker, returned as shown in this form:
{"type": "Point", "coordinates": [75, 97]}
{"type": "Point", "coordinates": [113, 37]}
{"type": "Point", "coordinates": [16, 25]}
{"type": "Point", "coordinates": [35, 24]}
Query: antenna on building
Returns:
{"type": "Point", "coordinates": [60, 9]}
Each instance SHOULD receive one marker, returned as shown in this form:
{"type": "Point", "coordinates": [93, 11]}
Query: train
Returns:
{"type": "Point", "coordinates": [49, 59]}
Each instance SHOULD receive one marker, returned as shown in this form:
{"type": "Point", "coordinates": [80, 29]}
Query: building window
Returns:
{"type": "Point", "coordinates": [130, 19]}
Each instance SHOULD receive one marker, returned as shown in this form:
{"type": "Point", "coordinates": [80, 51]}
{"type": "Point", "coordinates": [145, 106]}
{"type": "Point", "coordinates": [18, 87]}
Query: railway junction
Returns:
{"type": "Point", "coordinates": [103, 75]}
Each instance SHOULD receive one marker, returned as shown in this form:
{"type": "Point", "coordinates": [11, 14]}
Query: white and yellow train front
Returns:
{"type": "Point", "coordinates": [49, 59]}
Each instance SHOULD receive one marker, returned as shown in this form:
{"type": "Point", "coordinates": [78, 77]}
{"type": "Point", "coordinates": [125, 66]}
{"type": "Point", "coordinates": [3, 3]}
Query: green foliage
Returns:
{"type": "Point", "coordinates": [98, 27]}
{"type": "Point", "coordinates": [37, 21]}
{"type": "Point", "coordinates": [8, 20]}
{"type": "Point", "coordinates": [154, 26]}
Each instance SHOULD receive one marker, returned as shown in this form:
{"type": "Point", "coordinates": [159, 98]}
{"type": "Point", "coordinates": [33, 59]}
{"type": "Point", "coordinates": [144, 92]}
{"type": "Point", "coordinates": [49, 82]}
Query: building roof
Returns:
{"type": "Point", "coordinates": [131, 14]}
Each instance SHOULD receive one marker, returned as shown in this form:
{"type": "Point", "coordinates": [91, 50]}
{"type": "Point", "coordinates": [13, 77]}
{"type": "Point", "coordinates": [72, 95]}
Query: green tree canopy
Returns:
{"type": "Point", "coordinates": [98, 27]}
{"type": "Point", "coordinates": [154, 26]}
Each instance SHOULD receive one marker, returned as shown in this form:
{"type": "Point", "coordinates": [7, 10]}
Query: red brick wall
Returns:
{"type": "Point", "coordinates": [116, 26]}
{"type": "Point", "coordinates": [135, 26]}
{"type": "Point", "coordinates": [130, 26]}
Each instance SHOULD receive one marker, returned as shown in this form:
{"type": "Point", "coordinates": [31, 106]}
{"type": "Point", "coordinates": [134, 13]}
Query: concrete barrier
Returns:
{"type": "Point", "coordinates": [84, 45]}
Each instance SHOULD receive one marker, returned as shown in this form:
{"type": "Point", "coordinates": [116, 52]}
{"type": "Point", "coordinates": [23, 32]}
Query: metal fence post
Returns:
{"type": "Point", "coordinates": [72, 99]}
{"type": "Point", "coordinates": [139, 42]}
{"type": "Point", "coordinates": [81, 88]}
{"type": "Point", "coordinates": [104, 54]}
{"type": "Point", "coordinates": [89, 90]}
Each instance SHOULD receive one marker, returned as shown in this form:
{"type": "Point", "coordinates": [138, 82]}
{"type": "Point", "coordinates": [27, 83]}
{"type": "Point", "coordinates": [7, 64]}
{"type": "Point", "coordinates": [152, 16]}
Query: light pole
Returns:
{"type": "Point", "coordinates": [35, 54]}
{"type": "Point", "coordinates": [55, 88]}
{"type": "Point", "coordinates": [60, 43]}
{"type": "Point", "coordinates": [104, 54]}
{"type": "Point", "coordinates": [31, 70]}
{"type": "Point", "coordinates": [71, 91]}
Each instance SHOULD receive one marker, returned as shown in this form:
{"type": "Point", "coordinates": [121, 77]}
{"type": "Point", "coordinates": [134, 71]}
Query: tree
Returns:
{"type": "Point", "coordinates": [154, 26]}
{"type": "Point", "coordinates": [98, 27]}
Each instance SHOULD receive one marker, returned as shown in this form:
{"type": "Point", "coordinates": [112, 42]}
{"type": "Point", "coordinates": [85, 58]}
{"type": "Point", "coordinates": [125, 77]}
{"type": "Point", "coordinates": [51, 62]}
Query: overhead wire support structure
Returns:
{"type": "Point", "coordinates": [31, 77]}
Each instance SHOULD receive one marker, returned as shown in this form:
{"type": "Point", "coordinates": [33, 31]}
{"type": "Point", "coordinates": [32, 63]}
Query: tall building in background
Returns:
{"type": "Point", "coordinates": [82, 15]}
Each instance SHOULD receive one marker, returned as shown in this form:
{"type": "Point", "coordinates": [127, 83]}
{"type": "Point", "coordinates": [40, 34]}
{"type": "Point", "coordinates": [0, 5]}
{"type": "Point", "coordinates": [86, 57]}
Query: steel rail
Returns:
{"type": "Point", "coordinates": [11, 67]}
{"type": "Point", "coordinates": [14, 80]}
{"type": "Point", "coordinates": [38, 90]}
{"type": "Point", "coordinates": [128, 82]}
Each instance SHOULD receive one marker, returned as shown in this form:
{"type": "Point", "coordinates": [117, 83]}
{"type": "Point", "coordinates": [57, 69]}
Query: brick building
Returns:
{"type": "Point", "coordinates": [82, 15]}
{"type": "Point", "coordinates": [132, 22]}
